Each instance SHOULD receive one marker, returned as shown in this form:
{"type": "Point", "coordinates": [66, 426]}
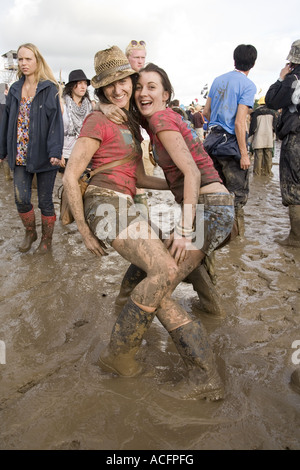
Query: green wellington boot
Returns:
{"type": "Point", "coordinates": [125, 341]}
{"type": "Point", "coordinates": [203, 380]}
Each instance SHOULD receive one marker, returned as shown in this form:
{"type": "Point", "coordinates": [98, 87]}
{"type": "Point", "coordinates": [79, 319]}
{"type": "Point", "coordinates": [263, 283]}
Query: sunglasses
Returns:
{"type": "Point", "coordinates": [135, 43]}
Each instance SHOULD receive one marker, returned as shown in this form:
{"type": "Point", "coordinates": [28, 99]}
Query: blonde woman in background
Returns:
{"type": "Point", "coordinates": [32, 138]}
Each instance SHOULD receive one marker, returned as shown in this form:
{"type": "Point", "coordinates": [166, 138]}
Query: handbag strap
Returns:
{"type": "Point", "coordinates": [113, 164]}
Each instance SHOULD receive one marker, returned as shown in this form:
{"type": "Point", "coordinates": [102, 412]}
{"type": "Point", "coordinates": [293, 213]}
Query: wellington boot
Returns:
{"type": "Point", "coordinates": [203, 380]}
{"type": "Point", "coordinates": [125, 341]}
{"type": "Point", "coordinates": [209, 263]}
{"type": "Point", "coordinates": [48, 223]}
{"type": "Point", "coordinates": [209, 299]}
{"type": "Point", "coordinates": [28, 219]}
{"type": "Point", "coordinates": [240, 221]}
{"type": "Point", "coordinates": [131, 279]}
{"type": "Point", "coordinates": [293, 239]}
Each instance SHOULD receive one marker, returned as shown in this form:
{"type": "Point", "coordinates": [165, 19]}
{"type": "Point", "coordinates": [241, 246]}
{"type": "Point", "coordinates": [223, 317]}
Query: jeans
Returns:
{"type": "Point", "coordinates": [22, 187]}
{"type": "Point", "coordinates": [234, 178]}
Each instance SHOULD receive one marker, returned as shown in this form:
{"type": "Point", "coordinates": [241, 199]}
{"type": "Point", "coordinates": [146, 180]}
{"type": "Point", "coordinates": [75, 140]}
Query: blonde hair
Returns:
{"type": "Point", "coordinates": [131, 48]}
{"type": "Point", "coordinates": [43, 71]}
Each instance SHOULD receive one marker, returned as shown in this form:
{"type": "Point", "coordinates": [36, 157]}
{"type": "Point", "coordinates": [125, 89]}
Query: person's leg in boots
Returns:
{"type": "Point", "coordinates": [258, 160]}
{"type": "Point", "coordinates": [22, 191]}
{"type": "Point", "coordinates": [139, 310]}
{"type": "Point", "coordinates": [28, 219]}
{"type": "Point", "coordinates": [125, 341]}
{"type": "Point", "coordinates": [293, 238]}
{"type": "Point", "coordinates": [45, 185]}
{"type": "Point", "coordinates": [191, 341]}
{"type": "Point", "coordinates": [48, 223]}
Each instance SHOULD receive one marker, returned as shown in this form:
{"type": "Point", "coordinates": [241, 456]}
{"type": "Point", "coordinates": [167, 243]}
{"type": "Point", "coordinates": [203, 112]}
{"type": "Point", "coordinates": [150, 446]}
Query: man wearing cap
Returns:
{"type": "Point", "coordinates": [285, 94]}
{"type": "Point", "coordinates": [262, 136]}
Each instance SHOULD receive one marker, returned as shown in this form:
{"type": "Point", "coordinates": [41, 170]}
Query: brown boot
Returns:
{"type": "Point", "coordinates": [293, 239]}
{"type": "Point", "coordinates": [48, 223]}
{"type": "Point", "coordinates": [28, 219]}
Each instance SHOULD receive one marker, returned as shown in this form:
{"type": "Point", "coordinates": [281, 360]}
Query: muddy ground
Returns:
{"type": "Point", "coordinates": [57, 312]}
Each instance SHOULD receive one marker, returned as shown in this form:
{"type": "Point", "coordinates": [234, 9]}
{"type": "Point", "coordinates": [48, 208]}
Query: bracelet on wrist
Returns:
{"type": "Point", "coordinates": [183, 232]}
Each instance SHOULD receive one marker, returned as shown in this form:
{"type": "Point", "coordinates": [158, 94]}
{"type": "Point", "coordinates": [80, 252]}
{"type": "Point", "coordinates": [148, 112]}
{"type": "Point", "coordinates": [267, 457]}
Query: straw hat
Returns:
{"type": "Point", "coordinates": [110, 65]}
{"type": "Point", "coordinates": [261, 100]}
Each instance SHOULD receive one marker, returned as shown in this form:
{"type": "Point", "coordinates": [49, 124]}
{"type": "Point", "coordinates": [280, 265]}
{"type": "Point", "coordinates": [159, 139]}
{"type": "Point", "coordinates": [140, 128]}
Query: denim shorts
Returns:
{"type": "Point", "coordinates": [109, 212]}
{"type": "Point", "coordinates": [214, 220]}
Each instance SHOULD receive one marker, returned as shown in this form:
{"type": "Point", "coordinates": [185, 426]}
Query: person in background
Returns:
{"type": "Point", "coordinates": [31, 136]}
{"type": "Point", "coordinates": [229, 99]}
{"type": "Point", "coordinates": [198, 122]}
{"type": "Point", "coordinates": [261, 136]}
{"type": "Point", "coordinates": [285, 94]}
{"type": "Point", "coordinates": [136, 54]}
{"type": "Point", "coordinates": [76, 105]}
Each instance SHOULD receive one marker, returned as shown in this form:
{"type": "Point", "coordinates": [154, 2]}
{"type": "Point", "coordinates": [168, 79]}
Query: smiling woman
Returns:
{"type": "Point", "coordinates": [108, 215]}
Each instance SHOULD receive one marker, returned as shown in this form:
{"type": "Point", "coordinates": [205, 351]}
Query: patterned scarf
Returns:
{"type": "Point", "coordinates": [76, 114]}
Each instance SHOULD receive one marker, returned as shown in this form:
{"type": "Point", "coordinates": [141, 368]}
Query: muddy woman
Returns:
{"type": "Point", "coordinates": [108, 215]}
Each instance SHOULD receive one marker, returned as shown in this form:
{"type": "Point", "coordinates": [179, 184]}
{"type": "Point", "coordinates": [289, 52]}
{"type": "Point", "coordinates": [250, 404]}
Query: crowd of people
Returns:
{"type": "Point", "coordinates": [133, 125]}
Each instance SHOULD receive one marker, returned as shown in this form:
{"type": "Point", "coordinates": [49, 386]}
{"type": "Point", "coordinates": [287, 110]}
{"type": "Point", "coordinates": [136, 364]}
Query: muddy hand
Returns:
{"type": "Point", "coordinates": [94, 245]}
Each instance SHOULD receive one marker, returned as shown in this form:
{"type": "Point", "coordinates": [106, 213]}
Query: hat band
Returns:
{"type": "Point", "coordinates": [101, 76]}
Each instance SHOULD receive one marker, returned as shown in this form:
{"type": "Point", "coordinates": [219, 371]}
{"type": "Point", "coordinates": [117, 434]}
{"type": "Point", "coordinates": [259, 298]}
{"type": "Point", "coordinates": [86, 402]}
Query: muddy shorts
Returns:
{"type": "Point", "coordinates": [214, 220]}
{"type": "Point", "coordinates": [109, 212]}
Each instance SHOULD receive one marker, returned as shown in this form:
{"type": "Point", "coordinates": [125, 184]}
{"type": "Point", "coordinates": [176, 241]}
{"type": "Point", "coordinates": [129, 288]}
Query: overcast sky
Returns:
{"type": "Point", "coordinates": [192, 40]}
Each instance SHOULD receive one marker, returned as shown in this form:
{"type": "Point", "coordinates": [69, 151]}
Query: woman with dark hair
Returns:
{"type": "Point", "coordinates": [76, 105]}
{"type": "Point", "coordinates": [32, 139]}
{"type": "Point", "coordinates": [108, 215]}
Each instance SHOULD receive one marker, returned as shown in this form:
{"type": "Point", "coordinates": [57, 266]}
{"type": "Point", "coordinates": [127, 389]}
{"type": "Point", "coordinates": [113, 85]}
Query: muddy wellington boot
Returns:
{"type": "Point", "coordinates": [293, 239]}
{"type": "Point", "coordinates": [126, 339]}
{"type": "Point", "coordinates": [48, 223]}
{"type": "Point", "coordinates": [131, 279]}
{"type": "Point", "coordinates": [239, 219]}
{"type": "Point", "coordinates": [28, 219]}
{"type": "Point", "coordinates": [209, 299]}
{"type": "Point", "coordinates": [203, 380]}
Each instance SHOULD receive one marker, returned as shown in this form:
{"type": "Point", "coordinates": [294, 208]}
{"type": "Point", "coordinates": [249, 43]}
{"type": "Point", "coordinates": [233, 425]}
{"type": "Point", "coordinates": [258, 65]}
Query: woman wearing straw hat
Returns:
{"type": "Point", "coordinates": [76, 105]}
{"type": "Point", "coordinates": [108, 215]}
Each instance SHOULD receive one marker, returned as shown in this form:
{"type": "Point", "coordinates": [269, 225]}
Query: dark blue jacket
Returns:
{"type": "Point", "coordinates": [46, 130]}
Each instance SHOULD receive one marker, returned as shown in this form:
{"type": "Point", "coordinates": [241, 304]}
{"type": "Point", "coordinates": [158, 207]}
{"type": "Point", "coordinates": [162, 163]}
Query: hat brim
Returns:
{"type": "Point", "coordinates": [112, 78]}
{"type": "Point", "coordinates": [80, 80]}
